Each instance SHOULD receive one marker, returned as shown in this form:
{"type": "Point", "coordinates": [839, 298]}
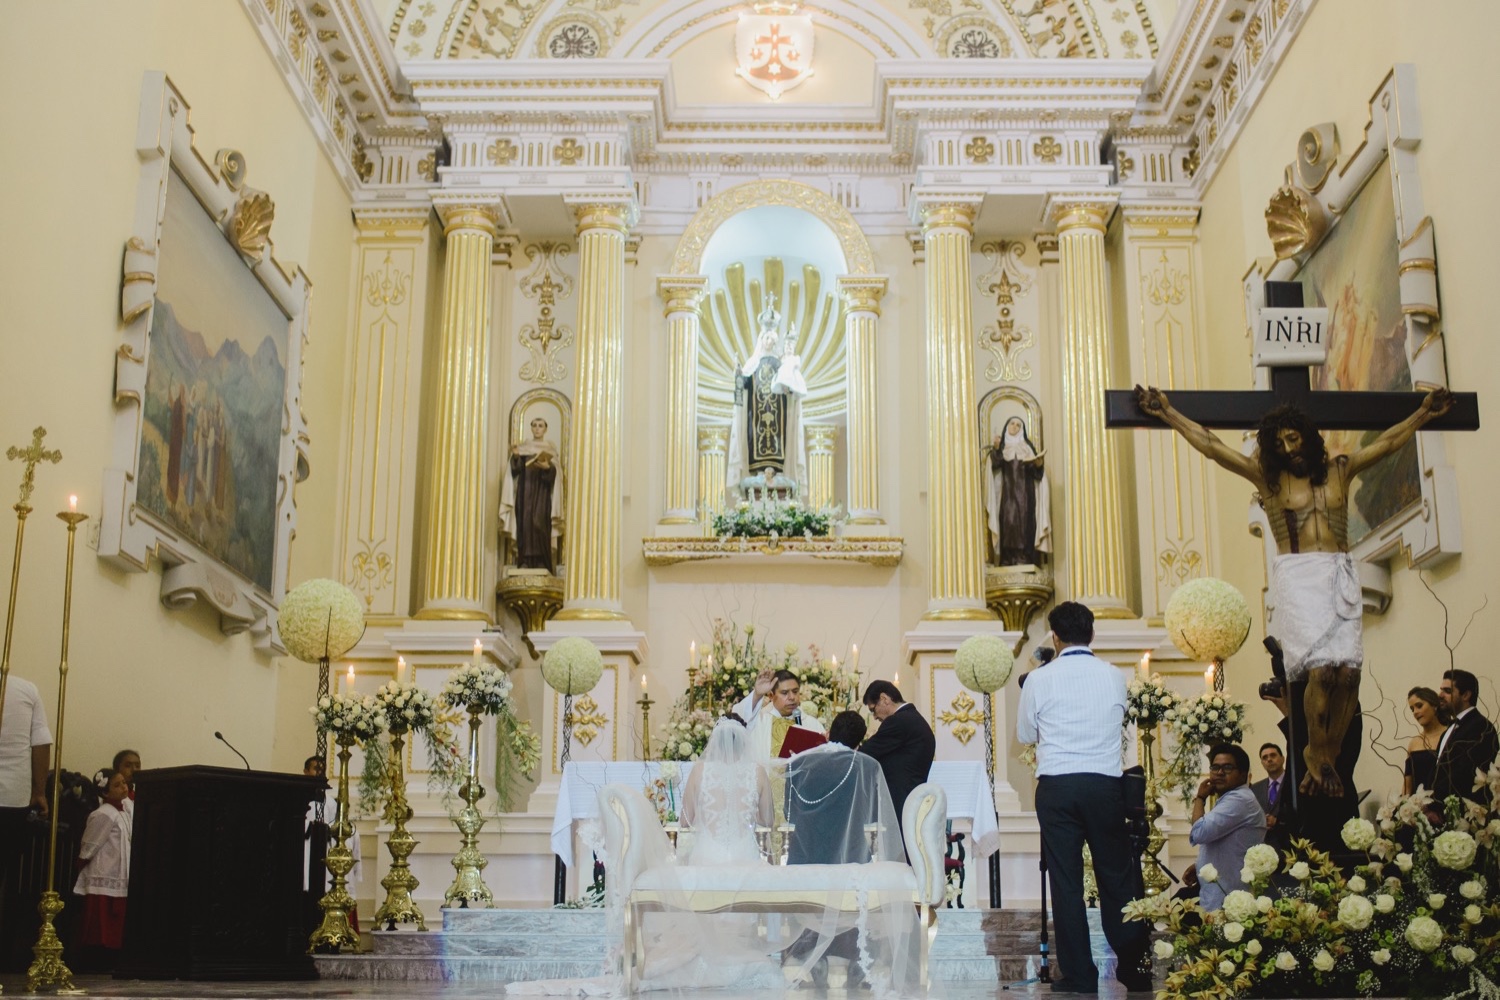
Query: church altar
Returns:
{"type": "Point", "coordinates": [969, 797]}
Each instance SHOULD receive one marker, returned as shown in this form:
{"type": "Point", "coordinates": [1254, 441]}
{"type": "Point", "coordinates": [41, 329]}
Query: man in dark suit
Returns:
{"type": "Point", "coordinates": [1469, 745]}
{"type": "Point", "coordinates": [903, 744]}
{"type": "Point", "coordinates": [1268, 789]}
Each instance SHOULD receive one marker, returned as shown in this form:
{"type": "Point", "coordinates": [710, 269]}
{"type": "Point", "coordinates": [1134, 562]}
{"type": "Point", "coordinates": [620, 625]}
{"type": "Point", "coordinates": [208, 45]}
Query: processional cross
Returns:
{"type": "Point", "coordinates": [1322, 716]}
{"type": "Point", "coordinates": [32, 456]}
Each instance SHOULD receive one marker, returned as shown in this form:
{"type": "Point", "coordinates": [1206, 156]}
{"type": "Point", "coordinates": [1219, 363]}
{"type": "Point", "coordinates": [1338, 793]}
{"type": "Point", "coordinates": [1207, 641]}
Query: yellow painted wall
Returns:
{"type": "Point", "coordinates": [141, 676]}
{"type": "Point", "coordinates": [1342, 54]}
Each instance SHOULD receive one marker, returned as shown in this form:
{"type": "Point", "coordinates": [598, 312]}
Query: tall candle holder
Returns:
{"type": "Point", "coordinates": [645, 701]}
{"type": "Point", "coordinates": [399, 882]}
{"type": "Point", "coordinates": [335, 931]}
{"type": "Point", "coordinates": [30, 456]}
{"type": "Point", "coordinates": [1151, 874]}
{"type": "Point", "coordinates": [469, 863]}
{"type": "Point", "coordinates": [47, 966]}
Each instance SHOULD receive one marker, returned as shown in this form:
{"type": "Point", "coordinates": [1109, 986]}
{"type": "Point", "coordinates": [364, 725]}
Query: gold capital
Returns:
{"type": "Point", "coordinates": [949, 214]}
{"type": "Point", "coordinates": [681, 294]}
{"type": "Point", "coordinates": [1082, 214]}
{"type": "Point", "coordinates": [616, 215]}
{"type": "Point", "coordinates": [482, 218]}
{"type": "Point", "coordinates": [862, 294]}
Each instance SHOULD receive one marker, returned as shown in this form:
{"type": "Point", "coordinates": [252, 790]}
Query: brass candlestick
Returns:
{"type": "Point", "coordinates": [1151, 874]}
{"type": "Point", "coordinates": [47, 966]}
{"type": "Point", "coordinates": [468, 879]}
{"type": "Point", "coordinates": [30, 457]}
{"type": "Point", "coordinates": [335, 931]}
{"type": "Point", "coordinates": [645, 702]}
{"type": "Point", "coordinates": [399, 907]}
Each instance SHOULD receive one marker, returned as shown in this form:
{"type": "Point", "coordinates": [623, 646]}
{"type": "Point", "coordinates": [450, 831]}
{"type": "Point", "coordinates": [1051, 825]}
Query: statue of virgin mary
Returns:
{"type": "Point", "coordinates": [767, 455]}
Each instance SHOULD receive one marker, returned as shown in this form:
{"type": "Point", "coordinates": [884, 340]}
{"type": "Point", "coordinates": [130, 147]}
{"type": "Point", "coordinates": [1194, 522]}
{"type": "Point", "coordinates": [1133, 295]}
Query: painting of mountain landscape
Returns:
{"type": "Point", "coordinates": [215, 387]}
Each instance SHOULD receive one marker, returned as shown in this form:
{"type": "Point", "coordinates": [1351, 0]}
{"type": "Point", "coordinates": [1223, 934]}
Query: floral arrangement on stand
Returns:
{"type": "Point", "coordinates": [1423, 922]}
{"type": "Point", "coordinates": [1147, 701]}
{"type": "Point", "coordinates": [349, 716]}
{"type": "Point", "coordinates": [482, 687]}
{"type": "Point", "coordinates": [771, 518]}
{"type": "Point", "coordinates": [1198, 723]}
{"type": "Point", "coordinates": [409, 709]}
{"type": "Point", "coordinates": [727, 673]}
{"type": "Point", "coordinates": [1208, 619]}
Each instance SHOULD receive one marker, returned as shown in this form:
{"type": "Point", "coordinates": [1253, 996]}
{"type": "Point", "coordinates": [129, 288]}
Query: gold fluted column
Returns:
{"type": "Point", "coordinates": [820, 442]}
{"type": "Point", "coordinates": [591, 548]}
{"type": "Point", "coordinates": [955, 517]}
{"type": "Point", "coordinates": [680, 296]}
{"type": "Point", "coordinates": [861, 319]}
{"type": "Point", "coordinates": [1092, 513]}
{"type": "Point", "coordinates": [453, 573]}
{"type": "Point", "coordinates": [713, 467]}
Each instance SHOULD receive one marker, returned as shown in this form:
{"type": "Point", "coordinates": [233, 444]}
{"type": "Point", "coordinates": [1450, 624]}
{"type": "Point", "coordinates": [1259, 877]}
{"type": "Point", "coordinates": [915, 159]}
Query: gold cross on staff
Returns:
{"type": "Point", "coordinates": [31, 456]}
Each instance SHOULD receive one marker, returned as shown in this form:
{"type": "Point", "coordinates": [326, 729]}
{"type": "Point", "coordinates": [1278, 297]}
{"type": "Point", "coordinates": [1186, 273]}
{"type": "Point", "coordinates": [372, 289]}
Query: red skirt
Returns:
{"type": "Point", "coordinates": [104, 921]}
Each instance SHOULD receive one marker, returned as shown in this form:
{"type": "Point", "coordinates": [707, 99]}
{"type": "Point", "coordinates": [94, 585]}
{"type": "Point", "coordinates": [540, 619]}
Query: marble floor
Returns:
{"type": "Point", "coordinates": [135, 989]}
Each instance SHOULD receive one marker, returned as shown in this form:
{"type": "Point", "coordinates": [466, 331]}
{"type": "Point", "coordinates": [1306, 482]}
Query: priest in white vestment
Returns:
{"type": "Point", "coordinates": [775, 696]}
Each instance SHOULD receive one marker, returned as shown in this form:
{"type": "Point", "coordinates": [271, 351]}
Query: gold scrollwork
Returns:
{"type": "Point", "coordinates": [1165, 286]}
{"type": "Point", "coordinates": [586, 719]}
{"type": "Point", "coordinates": [387, 287]}
{"type": "Point", "coordinates": [1124, 163]}
{"type": "Point", "coordinates": [962, 716]}
{"type": "Point", "coordinates": [253, 215]}
{"type": "Point", "coordinates": [1177, 564]}
{"type": "Point", "coordinates": [370, 571]}
{"type": "Point", "coordinates": [546, 339]}
{"type": "Point", "coordinates": [427, 167]}
{"type": "Point", "coordinates": [1004, 339]}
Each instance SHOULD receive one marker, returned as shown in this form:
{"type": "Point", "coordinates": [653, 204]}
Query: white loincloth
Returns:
{"type": "Point", "coordinates": [1315, 610]}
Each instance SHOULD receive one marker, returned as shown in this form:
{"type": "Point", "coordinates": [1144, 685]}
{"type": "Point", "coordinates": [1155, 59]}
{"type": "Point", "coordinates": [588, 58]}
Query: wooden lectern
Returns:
{"type": "Point", "coordinates": [216, 875]}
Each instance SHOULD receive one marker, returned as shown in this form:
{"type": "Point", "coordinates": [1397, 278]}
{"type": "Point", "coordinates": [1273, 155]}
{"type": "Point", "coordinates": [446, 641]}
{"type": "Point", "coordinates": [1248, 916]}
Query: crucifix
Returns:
{"type": "Point", "coordinates": [31, 457]}
{"type": "Point", "coordinates": [1315, 604]}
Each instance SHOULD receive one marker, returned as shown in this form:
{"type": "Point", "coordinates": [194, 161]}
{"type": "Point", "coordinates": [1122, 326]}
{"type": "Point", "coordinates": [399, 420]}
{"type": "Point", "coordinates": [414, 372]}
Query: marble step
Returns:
{"type": "Point", "coordinates": [429, 969]}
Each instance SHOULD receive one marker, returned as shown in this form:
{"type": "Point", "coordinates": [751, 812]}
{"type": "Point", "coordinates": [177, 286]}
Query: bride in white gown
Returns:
{"type": "Point", "coordinates": [726, 797]}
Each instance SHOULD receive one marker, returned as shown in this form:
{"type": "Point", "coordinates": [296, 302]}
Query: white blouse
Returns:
{"type": "Point", "coordinates": [106, 853]}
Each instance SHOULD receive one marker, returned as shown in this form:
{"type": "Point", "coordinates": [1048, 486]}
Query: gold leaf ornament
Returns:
{"type": "Point", "coordinates": [1295, 221]}
{"type": "Point", "coordinates": [253, 215]}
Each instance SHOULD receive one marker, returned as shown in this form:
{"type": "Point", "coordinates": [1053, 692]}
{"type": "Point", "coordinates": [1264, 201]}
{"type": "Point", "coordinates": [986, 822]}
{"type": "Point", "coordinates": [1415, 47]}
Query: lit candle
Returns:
{"type": "Point", "coordinates": [1145, 665]}
{"type": "Point", "coordinates": [835, 660]}
{"type": "Point", "coordinates": [896, 679]}
{"type": "Point", "coordinates": [400, 669]}
{"type": "Point", "coordinates": [854, 657]}
{"type": "Point", "coordinates": [349, 679]}
{"type": "Point", "coordinates": [693, 656]}
{"type": "Point", "coordinates": [1208, 678]}
{"type": "Point", "coordinates": [73, 504]}
{"type": "Point", "coordinates": [478, 652]}
{"type": "Point", "coordinates": [643, 683]}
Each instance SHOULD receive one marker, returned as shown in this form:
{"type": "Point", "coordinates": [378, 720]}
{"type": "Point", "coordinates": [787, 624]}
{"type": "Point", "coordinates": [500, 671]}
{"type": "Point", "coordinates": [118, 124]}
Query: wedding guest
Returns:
{"type": "Point", "coordinates": [1469, 745]}
{"type": "Point", "coordinates": [1268, 789]}
{"type": "Point", "coordinates": [1421, 752]}
{"type": "Point", "coordinates": [1224, 833]}
{"type": "Point", "coordinates": [127, 762]}
{"type": "Point", "coordinates": [104, 880]}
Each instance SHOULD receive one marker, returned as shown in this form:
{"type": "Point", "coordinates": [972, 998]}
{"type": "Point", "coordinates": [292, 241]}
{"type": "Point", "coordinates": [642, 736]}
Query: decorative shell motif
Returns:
{"type": "Point", "coordinates": [253, 215]}
{"type": "Point", "coordinates": [1295, 222]}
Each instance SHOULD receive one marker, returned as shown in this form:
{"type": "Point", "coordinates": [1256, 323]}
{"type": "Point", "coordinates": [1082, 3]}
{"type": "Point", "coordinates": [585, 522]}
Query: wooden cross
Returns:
{"type": "Point", "coordinates": [31, 456]}
{"type": "Point", "coordinates": [1328, 410]}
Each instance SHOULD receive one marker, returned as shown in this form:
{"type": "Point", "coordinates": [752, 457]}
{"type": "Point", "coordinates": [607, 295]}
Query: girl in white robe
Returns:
{"type": "Point", "coordinates": [104, 880]}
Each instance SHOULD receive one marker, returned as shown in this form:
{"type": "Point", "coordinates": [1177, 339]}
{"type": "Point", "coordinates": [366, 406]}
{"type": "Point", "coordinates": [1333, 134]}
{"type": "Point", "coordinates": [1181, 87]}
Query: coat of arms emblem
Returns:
{"type": "Point", "coordinates": [774, 47]}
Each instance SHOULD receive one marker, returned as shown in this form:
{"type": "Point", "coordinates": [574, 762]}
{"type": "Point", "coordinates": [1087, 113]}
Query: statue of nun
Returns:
{"type": "Point", "coordinates": [1017, 499]}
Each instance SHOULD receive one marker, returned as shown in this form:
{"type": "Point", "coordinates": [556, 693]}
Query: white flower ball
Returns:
{"type": "Point", "coordinates": [1300, 871]}
{"type": "Point", "coordinates": [1461, 954]}
{"type": "Point", "coordinates": [1239, 906]}
{"type": "Point", "coordinates": [1262, 860]}
{"type": "Point", "coordinates": [1436, 900]}
{"type": "Point", "coordinates": [983, 663]}
{"type": "Point", "coordinates": [1286, 961]}
{"type": "Point", "coordinates": [1473, 914]}
{"type": "Point", "coordinates": [320, 618]}
{"type": "Point", "coordinates": [1226, 968]}
{"type": "Point", "coordinates": [1380, 957]}
{"type": "Point", "coordinates": [1356, 884]}
{"type": "Point", "coordinates": [1424, 933]}
{"type": "Point", "coordinates": [1356, 912]}
{"type": "Point", "coordinates": [1359, 834]}
{"type": "Point", "coordinates": [1453, 849]}
{"type": "Point", "coordinates": [1208, 873]}
{"type": "Point", "coordinates": [1162, 949]}
{"type": "Point", "coordinates": [1323, 961]}
{"type": "Point", "coordinates": [1253, 947]}
{"type": "Point", "coordinates": [573, 666]}
{"type": "Point", "coordinates": [1233, 932]}
{"type": "Point", "coordinates": [1403, 862]}
{"type": "Point", "coordinates": [1208, 619]}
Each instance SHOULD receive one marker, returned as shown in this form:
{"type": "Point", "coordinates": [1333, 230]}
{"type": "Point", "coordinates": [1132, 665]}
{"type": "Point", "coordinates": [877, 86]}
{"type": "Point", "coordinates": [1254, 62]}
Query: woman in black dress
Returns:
{"type": "Point", "coordinates": [1421, 752]}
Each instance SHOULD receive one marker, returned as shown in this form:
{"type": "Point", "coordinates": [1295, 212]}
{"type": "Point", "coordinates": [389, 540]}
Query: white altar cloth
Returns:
{"type": "Point", "coordinates": [969, 797]}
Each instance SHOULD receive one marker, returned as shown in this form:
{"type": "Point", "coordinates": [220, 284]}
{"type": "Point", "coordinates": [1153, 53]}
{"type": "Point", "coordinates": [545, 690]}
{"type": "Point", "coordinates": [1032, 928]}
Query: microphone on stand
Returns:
{"type": "Point", "coordinates": [220, 737]}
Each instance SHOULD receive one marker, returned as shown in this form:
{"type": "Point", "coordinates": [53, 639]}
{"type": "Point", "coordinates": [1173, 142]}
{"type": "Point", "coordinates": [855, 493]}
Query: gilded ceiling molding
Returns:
{"type": "Point", "coordinates": [688, 257]}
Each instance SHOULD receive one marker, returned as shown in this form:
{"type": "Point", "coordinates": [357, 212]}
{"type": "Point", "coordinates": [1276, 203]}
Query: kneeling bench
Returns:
{"type": "Point", "coordinates": [778, 889]}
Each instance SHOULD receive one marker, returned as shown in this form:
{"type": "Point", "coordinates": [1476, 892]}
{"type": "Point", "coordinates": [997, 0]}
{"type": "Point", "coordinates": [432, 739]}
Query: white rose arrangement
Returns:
{"type": "Point", "coordinates": [480, 687]}
{"type": "Point", "coordinates": [1148, 702]}
{"type": "Point", "coordinates": [1198, 723]}
{"type": "Point", "coordinates": [1208, 619]}
{"type": "Point", "coordinates": [348, 716]}
{"type": "Point", "coordinates": [1262, 860]}
{"type": "Point", "coordinates": [407, 707]}
{"type": "Point", "coordinates": [320, 620]}
{"type": "Point", "coordinates": [983, 663]}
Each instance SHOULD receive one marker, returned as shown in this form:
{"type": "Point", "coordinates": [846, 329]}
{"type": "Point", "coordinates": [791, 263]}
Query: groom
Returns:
{"type": "Point", "coordinates": [776, 696]}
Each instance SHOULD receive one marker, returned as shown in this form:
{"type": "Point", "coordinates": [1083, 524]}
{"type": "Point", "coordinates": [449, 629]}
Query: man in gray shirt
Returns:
{"type": "Point", "coordinates": [1234, 825]}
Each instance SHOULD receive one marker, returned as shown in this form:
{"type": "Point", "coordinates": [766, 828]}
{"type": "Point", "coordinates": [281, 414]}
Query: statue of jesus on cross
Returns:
{"type": "Point", "coordinates": [1315, 605]}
